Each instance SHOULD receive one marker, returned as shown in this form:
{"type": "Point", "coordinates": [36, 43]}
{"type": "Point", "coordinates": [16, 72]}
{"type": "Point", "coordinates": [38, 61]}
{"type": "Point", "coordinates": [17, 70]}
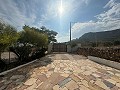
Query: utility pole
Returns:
{"type": "Point", "coordinates": [70, 32]}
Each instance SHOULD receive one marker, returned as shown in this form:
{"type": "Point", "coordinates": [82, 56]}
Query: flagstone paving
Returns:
{"type": "Point", "coordinates": [62, 72]}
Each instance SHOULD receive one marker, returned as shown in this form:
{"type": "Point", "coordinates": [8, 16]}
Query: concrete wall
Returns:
{"type": "Point", "coordinates": [50, 47]}
{"type": "Point", "coordinates": [68, 48]}
{"type": "Point", "coordinates": [105, 62]}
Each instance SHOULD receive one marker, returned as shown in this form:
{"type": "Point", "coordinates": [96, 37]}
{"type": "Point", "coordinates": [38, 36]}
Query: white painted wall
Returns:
{"type": "Point", "coordinates": [50, 46]}
{"type": "Point", "coordinates": [105, 62]}
{"type": "Point", "coordinates": [68, 48]}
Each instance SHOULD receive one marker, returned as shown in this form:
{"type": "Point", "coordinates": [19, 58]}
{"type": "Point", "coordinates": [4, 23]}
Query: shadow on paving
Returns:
{"type": "Point", "coordinates": [59, 52]}
{"type": "Point", "coordinates": [17, 78]}
{"type": "Point", "coordinates": [78, 57]}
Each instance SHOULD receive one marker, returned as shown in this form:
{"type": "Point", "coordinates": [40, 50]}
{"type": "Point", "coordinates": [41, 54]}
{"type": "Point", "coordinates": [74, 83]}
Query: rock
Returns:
{"type": "Point", "coordinates": [108, 84]}
{"type": "Point", "coordinates": [72, 85]}
{"type": "Point", "coordinates": [101, 84]}
{"type": "Point", "coordinates": [17, 77]}
{"type": "Point", "coordinates": [56, 87]}
{"type": "Point", "coordinates": [62, 83]}
{"type": "Point", "coordinates": [30, 81]}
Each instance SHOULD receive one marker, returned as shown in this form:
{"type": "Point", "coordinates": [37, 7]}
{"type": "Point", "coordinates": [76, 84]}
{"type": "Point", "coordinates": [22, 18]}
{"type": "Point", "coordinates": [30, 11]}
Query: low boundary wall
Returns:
{"type": "Point", "coordinates": [105, 62]}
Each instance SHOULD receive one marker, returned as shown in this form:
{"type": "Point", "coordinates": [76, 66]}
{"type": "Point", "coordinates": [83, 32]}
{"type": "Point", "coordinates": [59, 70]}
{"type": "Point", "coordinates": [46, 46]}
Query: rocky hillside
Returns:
{"type": "Point", "coordinates": [105, 36]}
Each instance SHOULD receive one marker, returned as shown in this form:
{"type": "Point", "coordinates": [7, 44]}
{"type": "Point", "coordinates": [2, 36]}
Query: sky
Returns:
{"type": "Point", "coordinates": [85, 15]}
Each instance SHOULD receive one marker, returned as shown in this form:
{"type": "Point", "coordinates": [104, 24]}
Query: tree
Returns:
{"type": "Point", "coordinates": [73, 44]}
{"type": "Point", "coordinates": [50, 33]}
{"type": "Point", "coordinates": [29, 38]}
{"type": "Point", "coordinates": [8, 36]}
{"type": "Point", "coordinates": [29, 35]}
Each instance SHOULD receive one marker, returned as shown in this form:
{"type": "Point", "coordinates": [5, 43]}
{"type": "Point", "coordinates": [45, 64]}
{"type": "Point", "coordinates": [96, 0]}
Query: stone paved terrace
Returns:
{"type": "Point", "coordinates": [62, 72]}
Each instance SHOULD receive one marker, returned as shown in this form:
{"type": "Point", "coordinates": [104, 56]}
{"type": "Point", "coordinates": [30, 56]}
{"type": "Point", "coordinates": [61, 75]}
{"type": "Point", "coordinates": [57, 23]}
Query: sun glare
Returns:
{"type": "Point", "coordinates": [60, 8]}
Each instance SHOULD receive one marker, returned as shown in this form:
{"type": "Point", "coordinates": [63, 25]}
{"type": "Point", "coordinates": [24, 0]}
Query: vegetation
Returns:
{"type": "Point", "coordinates": [8, 36]}
{"type": "Point", "coordinates": [73, 44]}
{"type": "Point", "coordinates": [50, 33]}
{"type": "Point", "coordinates": [28, 44]}
{"type": "Point", "coordinates": [33, 38]}
{"type": "Point", "coordinates": [29, 38]}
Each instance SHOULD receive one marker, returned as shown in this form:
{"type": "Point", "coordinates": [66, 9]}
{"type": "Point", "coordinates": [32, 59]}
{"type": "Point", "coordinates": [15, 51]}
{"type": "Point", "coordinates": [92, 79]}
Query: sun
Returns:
{"type": "Point", "coordinates": [61, 9]}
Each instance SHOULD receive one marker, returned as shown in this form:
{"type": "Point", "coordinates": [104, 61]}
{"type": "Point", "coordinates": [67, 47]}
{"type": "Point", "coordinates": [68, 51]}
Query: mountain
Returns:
{"type": "Point", "coordinates": [104, 36]}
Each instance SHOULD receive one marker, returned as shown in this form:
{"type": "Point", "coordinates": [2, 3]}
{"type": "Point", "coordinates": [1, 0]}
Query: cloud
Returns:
{"type": "Point", "coordinates": [108, 20]}
{"type": "Point", "coordinates": [21, 12]}
{"type": "Point", "coordinates": [86, 1]}
{"type": "Point", "coordinates": [111, 3]}
{"type": "Point", "coordinates": [63, 37]}
{"type": "Point", "coordinates": [70, 8]}
{"type": "Point", "coordinates": [37, 13]}
{"type": "Point", "coordinates": [72, 5]}
{"type": "Point", "coordinates": [12, 14]}
{"type": "Point", "coordinates": [34, 13]}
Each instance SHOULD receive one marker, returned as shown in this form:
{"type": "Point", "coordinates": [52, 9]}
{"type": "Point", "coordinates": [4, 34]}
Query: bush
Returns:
{"type": "Point", "coordinates": [2, 66]}
{"type": "Point", "coordinates": [39, 53]}
{"type": "Point", "coordinates": [22, 52]}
